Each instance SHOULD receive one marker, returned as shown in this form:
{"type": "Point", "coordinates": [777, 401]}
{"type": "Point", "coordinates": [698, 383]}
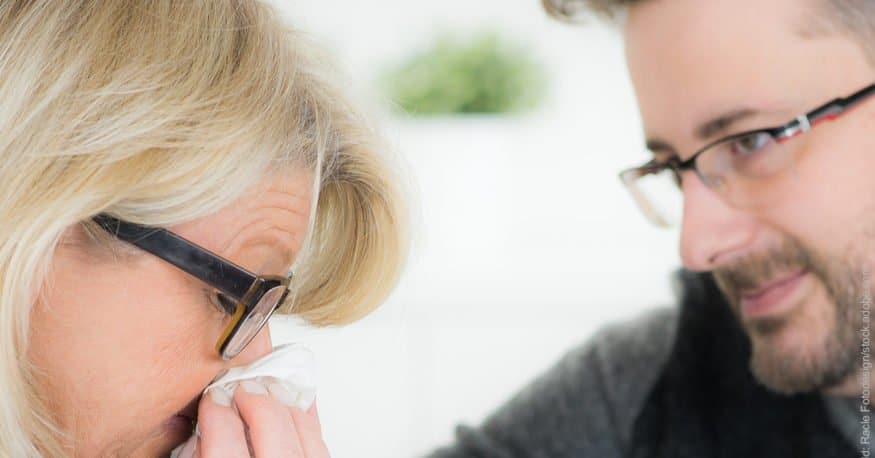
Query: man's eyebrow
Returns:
{"type": "Point", "coordinates": [722, 123]}
{"type": "Point", "coordinates": [659, 146]}
{"type": "Point", "coordinates": [706, 131]}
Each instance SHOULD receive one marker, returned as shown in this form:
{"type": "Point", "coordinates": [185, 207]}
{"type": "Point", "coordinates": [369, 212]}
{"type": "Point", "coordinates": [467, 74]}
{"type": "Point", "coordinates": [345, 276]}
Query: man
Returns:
{"type": "Point", "coordinates": [760, 119]}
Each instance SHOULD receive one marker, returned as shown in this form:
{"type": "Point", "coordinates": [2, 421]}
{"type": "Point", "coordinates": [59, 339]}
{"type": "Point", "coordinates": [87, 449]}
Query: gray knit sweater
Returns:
{"type": "Point", "coordinates": [590, 399]}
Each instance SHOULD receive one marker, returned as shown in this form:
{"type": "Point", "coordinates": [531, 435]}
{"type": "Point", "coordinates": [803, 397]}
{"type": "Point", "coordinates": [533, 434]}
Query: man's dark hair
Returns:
{"type": "Point", "coordinates": [855, 18]}
{"type": "Point", "coordinates": [570, 10]}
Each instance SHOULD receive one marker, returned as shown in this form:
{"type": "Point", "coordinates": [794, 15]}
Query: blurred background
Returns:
{"type": "Point", "coordinates": [511, 129]}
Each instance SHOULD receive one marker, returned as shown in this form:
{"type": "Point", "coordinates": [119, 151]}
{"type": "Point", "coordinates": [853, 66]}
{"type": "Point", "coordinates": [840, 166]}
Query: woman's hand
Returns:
{"type": "Point", "coordinates": [267, 426]}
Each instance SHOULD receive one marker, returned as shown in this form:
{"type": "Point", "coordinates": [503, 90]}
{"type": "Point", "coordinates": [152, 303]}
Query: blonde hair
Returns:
{"type": "Point", "coordinates": [160, 112]}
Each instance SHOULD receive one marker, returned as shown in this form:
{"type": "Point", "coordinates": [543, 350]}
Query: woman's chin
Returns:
{"type": "Point", "coordinates": [172, 433]}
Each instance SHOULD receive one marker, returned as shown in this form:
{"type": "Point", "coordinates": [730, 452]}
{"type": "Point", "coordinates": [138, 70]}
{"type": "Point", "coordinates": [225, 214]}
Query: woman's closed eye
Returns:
{"type": "Point", "coordinates": [221, 303]}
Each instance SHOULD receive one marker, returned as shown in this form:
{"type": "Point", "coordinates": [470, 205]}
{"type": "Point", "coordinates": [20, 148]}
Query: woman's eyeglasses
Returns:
{"type": "Point", "coordinates": [251, 299]}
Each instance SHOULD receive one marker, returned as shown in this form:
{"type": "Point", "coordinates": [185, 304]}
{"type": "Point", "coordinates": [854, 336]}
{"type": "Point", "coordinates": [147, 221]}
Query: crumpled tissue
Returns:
{"type": "Point", "coordinates": [292, 365]}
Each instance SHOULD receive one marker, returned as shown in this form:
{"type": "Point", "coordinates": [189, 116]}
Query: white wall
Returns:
{"type": "Point", "coordinates": [525, 239]}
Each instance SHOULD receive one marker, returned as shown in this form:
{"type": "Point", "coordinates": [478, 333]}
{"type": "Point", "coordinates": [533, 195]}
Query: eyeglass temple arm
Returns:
{"type": "Point", "coordinates": [225, 276]}
{"type": "Point", "coordinates": [834, 109]}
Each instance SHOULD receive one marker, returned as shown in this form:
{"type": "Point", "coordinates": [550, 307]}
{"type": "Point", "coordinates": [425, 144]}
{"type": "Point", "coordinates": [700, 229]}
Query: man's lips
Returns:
{"type": "Point", "coordinates": [753, 294]}
{"type": "Point", "coordinates": [772, 298]}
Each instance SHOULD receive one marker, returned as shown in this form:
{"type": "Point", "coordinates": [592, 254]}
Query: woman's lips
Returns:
{"type": "Point", "coordinates": [184, 420]}
{"type": "Point", "coordinates": [188, 414]}
{"type": "Point", "coordinates": [769, 299]}
{"type": "Point", "coordinates": [190, 410]}
{"type": "Point", "coordinates": [179, 425]}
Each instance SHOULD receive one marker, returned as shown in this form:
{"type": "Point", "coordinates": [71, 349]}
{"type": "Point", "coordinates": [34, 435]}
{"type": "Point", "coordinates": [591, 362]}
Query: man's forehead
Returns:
{"type": "Point", "coordinates": [692, 61]}
{"type": "Point", "coordinates": [805, 17]}
{"type": "Point", "coordinates": [717, 42]}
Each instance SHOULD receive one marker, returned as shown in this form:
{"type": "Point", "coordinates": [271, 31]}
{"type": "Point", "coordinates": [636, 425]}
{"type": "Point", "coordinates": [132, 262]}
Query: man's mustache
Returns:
{"type": "Point", "coordinates": [755, 270]}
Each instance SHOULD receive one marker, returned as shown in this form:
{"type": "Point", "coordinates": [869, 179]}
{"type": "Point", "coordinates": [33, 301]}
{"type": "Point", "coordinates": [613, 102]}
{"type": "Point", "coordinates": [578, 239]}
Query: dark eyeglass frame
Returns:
{"type": "Point", "coordinates": [235, 282]}
{"type": "Point", "coordinates": [801, 124]}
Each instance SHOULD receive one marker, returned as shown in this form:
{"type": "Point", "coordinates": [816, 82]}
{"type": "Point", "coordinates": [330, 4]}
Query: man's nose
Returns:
{"type": "Point", "coordinates": [713, 232]}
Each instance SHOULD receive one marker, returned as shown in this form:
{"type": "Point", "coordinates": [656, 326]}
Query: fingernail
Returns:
{"type": "Point", "coordinates": [220, 396]}
{"type": "Point", "coordinates": [253, 387]}
{"type": "Point", "coordinates": [306, 399]}
{"type": "Point", "coordinates": [281, 394]}
{"type": "Point", "coordinates": [189, 448]}
{"type": "Point", "coordinates": [265, 380]}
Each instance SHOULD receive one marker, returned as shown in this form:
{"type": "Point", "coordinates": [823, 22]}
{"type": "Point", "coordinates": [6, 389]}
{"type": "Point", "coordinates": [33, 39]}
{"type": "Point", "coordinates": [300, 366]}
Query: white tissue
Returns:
{"type": "Point", "coordinates": [291, 365]}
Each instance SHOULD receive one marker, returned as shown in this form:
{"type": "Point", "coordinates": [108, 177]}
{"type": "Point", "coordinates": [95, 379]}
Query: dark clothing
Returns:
{"type": "Point", "coordinates": [673, 383]}
{"type": "Point", "coordinates": [707, 402]}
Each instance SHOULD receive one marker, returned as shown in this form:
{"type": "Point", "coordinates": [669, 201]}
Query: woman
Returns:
{"type": "Point", "coordinates": [162, 166]}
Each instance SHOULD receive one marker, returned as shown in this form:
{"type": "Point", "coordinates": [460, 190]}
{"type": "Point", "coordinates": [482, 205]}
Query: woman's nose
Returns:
{"type": "Point", "coordinates": [259, 346]}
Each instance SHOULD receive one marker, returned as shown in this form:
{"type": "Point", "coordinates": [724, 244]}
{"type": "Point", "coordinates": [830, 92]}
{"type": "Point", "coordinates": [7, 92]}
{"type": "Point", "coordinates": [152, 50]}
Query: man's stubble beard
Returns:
{"type": "Point", "coordinates": [796, 370]}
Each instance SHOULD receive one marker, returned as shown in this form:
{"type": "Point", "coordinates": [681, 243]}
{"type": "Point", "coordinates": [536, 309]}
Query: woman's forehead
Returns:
{"type": "Point", "coordinates": [269, 220]}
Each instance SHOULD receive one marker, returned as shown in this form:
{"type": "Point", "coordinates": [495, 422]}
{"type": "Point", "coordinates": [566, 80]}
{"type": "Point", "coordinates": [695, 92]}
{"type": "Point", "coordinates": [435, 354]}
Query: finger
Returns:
{"type": "Point", "coordinates": [189, 449]}
{"type": "Point", "coordinates": [306, 423]}
{"type": "Point", "coordinates": [313, 410]}
{"type": "Point", "coordinates": [310, 432]}
{"type": "Point", "coordinates": [221, 430]}
{"type": "Point", "coordinates": [271, 428]}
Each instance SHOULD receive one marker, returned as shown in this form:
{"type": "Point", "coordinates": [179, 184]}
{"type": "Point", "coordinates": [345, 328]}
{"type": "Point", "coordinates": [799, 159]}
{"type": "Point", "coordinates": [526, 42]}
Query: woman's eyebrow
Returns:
{"type": "Point", "coordinates": [280, 250]}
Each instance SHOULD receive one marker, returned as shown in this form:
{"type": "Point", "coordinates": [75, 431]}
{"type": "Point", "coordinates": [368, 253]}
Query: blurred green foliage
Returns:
{"type": "Point", "coordinates": [479, 74]}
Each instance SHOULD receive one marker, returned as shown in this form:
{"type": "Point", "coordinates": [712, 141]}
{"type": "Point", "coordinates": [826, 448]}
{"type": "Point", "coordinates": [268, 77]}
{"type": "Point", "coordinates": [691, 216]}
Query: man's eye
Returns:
{"type": "Point", "coordinates": [750, 144]}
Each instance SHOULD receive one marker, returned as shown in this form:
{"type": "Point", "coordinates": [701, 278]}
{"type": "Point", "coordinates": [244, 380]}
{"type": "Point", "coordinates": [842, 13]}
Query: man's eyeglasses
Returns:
{"type": "Point", "coordinates": [741, 168]}
{"type": "Point", "coordinates": [250, 299]}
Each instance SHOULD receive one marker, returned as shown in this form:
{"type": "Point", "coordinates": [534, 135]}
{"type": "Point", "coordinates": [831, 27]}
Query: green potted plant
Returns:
{"type": "Point", "coordinates": [479, 74]}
